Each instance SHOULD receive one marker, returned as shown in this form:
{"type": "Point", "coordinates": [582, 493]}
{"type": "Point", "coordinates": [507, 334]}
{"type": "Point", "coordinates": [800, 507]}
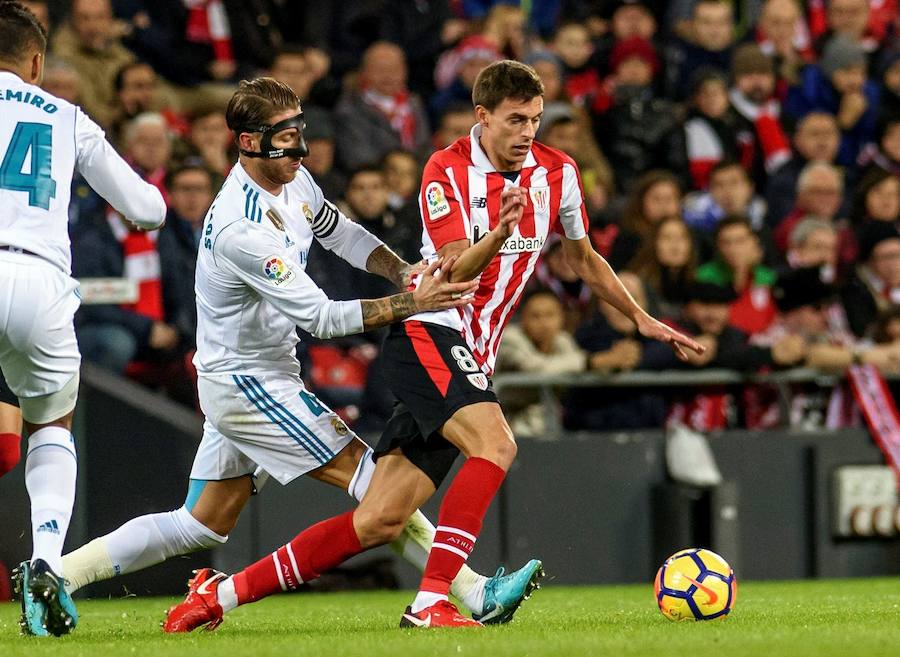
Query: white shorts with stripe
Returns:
{"type": "Point", "coordinates": [268, 421]}
{"type": "Point", "coordinates": [38, 350]}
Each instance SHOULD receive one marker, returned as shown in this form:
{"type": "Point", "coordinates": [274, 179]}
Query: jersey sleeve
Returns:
{"type": "Point", "coordinates": [112, 177]}
{"type": "Point", "coordinates": [443, 211]}
{"type": "Point", "coordinates": [573, 218]}
{"type": "Point", "coordinates": [339, 234]}
{"type": "Point", "coordinates": [260, 261]}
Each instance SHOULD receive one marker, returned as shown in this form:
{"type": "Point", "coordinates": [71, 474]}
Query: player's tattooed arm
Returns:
{"type": "Point", "coordinates": [434, 292]}
{"type": "Point", "coordinates": [389, 265]}
{"type": "Point", "coordinates": [387, 310]}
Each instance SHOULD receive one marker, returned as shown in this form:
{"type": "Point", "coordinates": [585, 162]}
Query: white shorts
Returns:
{"type": "Point", "coordinates": [38, 350]}
{"type": "Point", "coordinates": [265, 420]}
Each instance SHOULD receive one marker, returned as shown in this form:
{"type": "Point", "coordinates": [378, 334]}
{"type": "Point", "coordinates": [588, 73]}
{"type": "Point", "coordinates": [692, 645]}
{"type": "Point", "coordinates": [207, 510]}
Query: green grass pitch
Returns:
{"type": "Point", "coordinates": [847, 618]}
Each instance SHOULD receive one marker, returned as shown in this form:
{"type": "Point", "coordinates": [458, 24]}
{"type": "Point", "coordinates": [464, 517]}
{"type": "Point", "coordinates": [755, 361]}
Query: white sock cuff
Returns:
{"type": "Point", "coordinates": [359, 484]}
{"type": "Point", "coordinates": [190, 524]}
{"type": "Point", "coordinates": [52, 436]}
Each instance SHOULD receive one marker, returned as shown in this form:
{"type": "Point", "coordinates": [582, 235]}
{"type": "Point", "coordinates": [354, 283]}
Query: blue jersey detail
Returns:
{"type": "Point", "coordinates": [38, 139]}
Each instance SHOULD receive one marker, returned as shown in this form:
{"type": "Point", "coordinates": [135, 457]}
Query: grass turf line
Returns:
{"type": "Point", "coordinates": [829, 618]}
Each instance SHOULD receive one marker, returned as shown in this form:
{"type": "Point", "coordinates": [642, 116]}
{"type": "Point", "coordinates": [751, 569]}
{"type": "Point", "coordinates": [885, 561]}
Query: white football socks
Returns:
{"type": "Point", "coordinates": [138, 544]}
{"type": "Point", "coordinates": [415, 543]}
{"type": "Point", "coordinates": [227, 595]}
{"type": "Point", "coordinates": [50, 472]}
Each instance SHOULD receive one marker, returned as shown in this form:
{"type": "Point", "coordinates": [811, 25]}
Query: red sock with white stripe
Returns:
{"type": "Point", "coordinates": [459, 523]}
{"type": "Point", "coordinates": [314, 551]}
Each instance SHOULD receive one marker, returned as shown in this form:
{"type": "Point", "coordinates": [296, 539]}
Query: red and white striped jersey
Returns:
{"type": "Point", "coordinates": [460, 199]}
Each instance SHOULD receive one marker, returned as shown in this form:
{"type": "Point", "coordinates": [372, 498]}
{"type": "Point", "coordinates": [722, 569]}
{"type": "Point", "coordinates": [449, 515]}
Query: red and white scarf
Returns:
{"type": "Point", "coordinates": [141, 265]}
{"type": "Point", "coordinates": [877, 404]}
{"type": "Point", "coordinates": [208, 23]}
{"type": "Point", "coordinates": [774, 144]}
{"type": "Point", "coordinates": [399, 113]}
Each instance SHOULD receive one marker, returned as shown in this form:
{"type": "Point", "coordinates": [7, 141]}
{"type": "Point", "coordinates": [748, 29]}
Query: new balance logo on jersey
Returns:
{"type": "Point", "coordinates": [478, 202]}
{"type": "Point", "coordinates": [49, 526]}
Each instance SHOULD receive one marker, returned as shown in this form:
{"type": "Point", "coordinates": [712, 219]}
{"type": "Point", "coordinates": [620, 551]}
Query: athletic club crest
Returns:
{"type": "Point", "coordinates": [479, 380]}
{"type": "Point", "coordinates": [540, 198]}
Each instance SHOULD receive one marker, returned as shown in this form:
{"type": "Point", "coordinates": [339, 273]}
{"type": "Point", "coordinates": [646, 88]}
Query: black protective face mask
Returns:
{"type": "Point", "coordinates": [269, 131]}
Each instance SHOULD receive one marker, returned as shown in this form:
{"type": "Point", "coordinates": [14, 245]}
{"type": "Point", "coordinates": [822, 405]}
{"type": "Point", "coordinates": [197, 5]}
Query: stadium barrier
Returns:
{"type": "Point", "coordinates": [596, 507]}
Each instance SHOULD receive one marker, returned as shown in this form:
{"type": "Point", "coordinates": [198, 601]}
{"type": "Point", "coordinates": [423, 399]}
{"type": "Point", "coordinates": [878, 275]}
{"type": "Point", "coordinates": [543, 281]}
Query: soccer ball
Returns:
{"type": "Point", "coordinates": [695, 584]}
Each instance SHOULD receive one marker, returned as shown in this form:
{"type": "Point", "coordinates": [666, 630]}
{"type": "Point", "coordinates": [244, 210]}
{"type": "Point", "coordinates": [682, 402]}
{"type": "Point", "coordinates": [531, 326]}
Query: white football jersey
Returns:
{"type": "Point", "coordinates": [251, 285]}
{"type": "Point", "coordinates": [43, 139]}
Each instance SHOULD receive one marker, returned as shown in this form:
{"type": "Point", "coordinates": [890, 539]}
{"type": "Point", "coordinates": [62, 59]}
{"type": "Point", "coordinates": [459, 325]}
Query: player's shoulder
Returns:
{"type": "Point", "coordinates": [550, 158]}
{"type": "Point", "coordinates": [457, 153]}
{"type": "Point", "coordinates": [15, 92]}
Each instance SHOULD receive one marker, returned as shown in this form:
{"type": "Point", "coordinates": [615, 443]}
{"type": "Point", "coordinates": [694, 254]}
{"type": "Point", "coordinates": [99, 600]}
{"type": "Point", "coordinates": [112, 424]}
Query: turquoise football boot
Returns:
{"type": "Point", "coordinates": [47, 587]}
{"type": "Point", "coordinates": [504, 593]}
{"type": "Point", "coordinates": [34, 613]}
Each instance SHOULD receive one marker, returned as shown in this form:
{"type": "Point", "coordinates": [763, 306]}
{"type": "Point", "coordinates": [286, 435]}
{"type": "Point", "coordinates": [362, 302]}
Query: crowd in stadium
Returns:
{"type": "Point", "coordinates": [740, 161]}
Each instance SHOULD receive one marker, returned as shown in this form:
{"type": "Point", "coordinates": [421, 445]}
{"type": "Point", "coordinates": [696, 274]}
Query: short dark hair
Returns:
{"type": "Point", "coordinates": [119, 80]}
{"type": "Point", "coordinates": [506, 79]}
{"type": "Point", "coordinates": [365, 168]}
{"type": "Point", "coordinates": [255, 101]}
{"type": "Point", "coordinates": [188, 164]}
{"type": "Point", "coordinates": [19, 31]}
{"type": "Point", "coordinates": [722, 165]}
{"type": "Point", "coordinates": [539, 291]}
{"type": "Point", "coordinates": [730, 221]}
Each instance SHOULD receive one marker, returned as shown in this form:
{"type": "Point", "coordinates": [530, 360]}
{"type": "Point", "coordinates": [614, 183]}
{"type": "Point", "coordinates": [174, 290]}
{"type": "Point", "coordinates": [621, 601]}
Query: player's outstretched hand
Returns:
{"type": "Point", "coordinates": [512, 205]}
{"type": "Point", "coordinates": [655, 329]}
{"type": "Point", "coordinates": [436, 292]}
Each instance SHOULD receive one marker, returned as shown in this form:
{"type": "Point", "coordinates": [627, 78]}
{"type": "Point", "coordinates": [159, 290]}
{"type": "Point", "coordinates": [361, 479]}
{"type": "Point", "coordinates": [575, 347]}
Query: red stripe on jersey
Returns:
{"type": "Point", "coordinates": [526, 225]}
{"type": "Point", "coordinates": [428, 354]}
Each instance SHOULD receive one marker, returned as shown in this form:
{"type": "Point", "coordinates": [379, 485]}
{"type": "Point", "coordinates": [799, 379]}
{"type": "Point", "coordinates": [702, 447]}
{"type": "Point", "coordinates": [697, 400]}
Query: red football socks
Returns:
{"type": "Point", "coordinates": [314, 551]}
{"type": "Point", "coordinates": [10, 451]}
{"type": "Point", "coordinates": [459, 522]}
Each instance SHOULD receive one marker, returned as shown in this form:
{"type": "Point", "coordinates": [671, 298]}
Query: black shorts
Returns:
{"type": "Point", "coordinates": [432, 373]}
{"type": "Point", "coordinates": [6, 395]}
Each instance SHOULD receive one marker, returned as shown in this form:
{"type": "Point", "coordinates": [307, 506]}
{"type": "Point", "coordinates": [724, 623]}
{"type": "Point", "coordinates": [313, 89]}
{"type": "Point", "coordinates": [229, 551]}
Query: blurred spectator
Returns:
{"type": "Point", "coordinates": [401, 175]}
{"type": "Point", "coordinates": [838, 85]}
{"type": "Point", "coordinates": [628, 19]}
{"type": "Point", "coordinates": [614, 345]}
{"type": "Point", "coordinates": [541, 16]}
{"type": "Point", "coordinates": [554, 273]}
{"type": "Point", "coordinates": [366, 201]}
{"type": "Point", "coordinates": [306, 71]}
{"type": "Point", "coordinates": [666, 264]}
{"type": "Point", "coordinates": [820, 190]}
{"type": "Point", "coordinates": [711, 37]}
{"type": "Point", "coordinates": [581, 80]}
{"type": "Point", "coordinates": [564, 132]}
{"type": "Point", "coordinates": [707, 135]}
{"type": "Point", "coordinates": [730, 193]}
{"type": "Point", "coordinates": [884, 152]}
{"type": "Point", "coordinates": [763, 143]}
{"type": "Point", "coordinates": [538, 344]}
{"type": "Point", "coordinates": [505, 26]}
{"type": "Point", "coordinates": [738, 266]}
{"type": "Point", "coordinates": [813, 243]}
{"type": "Point", "coordinates": [211, 140]}
{"type": "Point", "coordinates": [456, 121]}
{"type": "Point", "coordinates": [147, 146]}
{"type": "Point", "coordinates": [90, 42]}
{"type": "Point", "coordinates": [137, 91]}
{"type": "Point", "coordinates": [861, 21]}
{"type": "Point", "coordinates": [783, 35]}
{"type": "Point", "coordinates": [656, 196]}
{"type": "Point", "coordinates": [875, 287]}
{"type": "Point", "coordinates": [61, 79]}
{"type": "Point", "coordinates": [424, 30]}
{"type": "Point", "coordinates": [380, 114]}
{"type": "Point", "coordinates": [887, 327]}
{"type": "Point", "coordinates": [817, 138]}
{"type": "Point", "coordinates": [255, 31]}
{"type": "Point", "coordinates": [877, 198]}
{"type": "Point", "coordinates": [631, 133]}
{"type": "Point", "coordinates": [110, 335]}
{"type": "Point", "coordinates": [319, 135]}
{"type": "Point", "coordinates": [456, 71]}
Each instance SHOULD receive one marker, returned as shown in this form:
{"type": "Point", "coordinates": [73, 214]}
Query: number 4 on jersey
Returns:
{"type": "Point", "coordinates": [37, 139]}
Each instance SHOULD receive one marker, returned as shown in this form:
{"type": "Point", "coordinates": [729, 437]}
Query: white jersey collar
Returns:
{"type": "Point", "coordinates": [480, 158]}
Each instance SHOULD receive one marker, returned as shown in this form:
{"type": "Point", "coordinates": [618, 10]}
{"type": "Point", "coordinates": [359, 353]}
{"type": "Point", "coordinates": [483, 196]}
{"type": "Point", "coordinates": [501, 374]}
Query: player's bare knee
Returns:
{"type": "Point", "coordinates": [503, 452]}
{"type": "Point", "coordinates": [378, 527]}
